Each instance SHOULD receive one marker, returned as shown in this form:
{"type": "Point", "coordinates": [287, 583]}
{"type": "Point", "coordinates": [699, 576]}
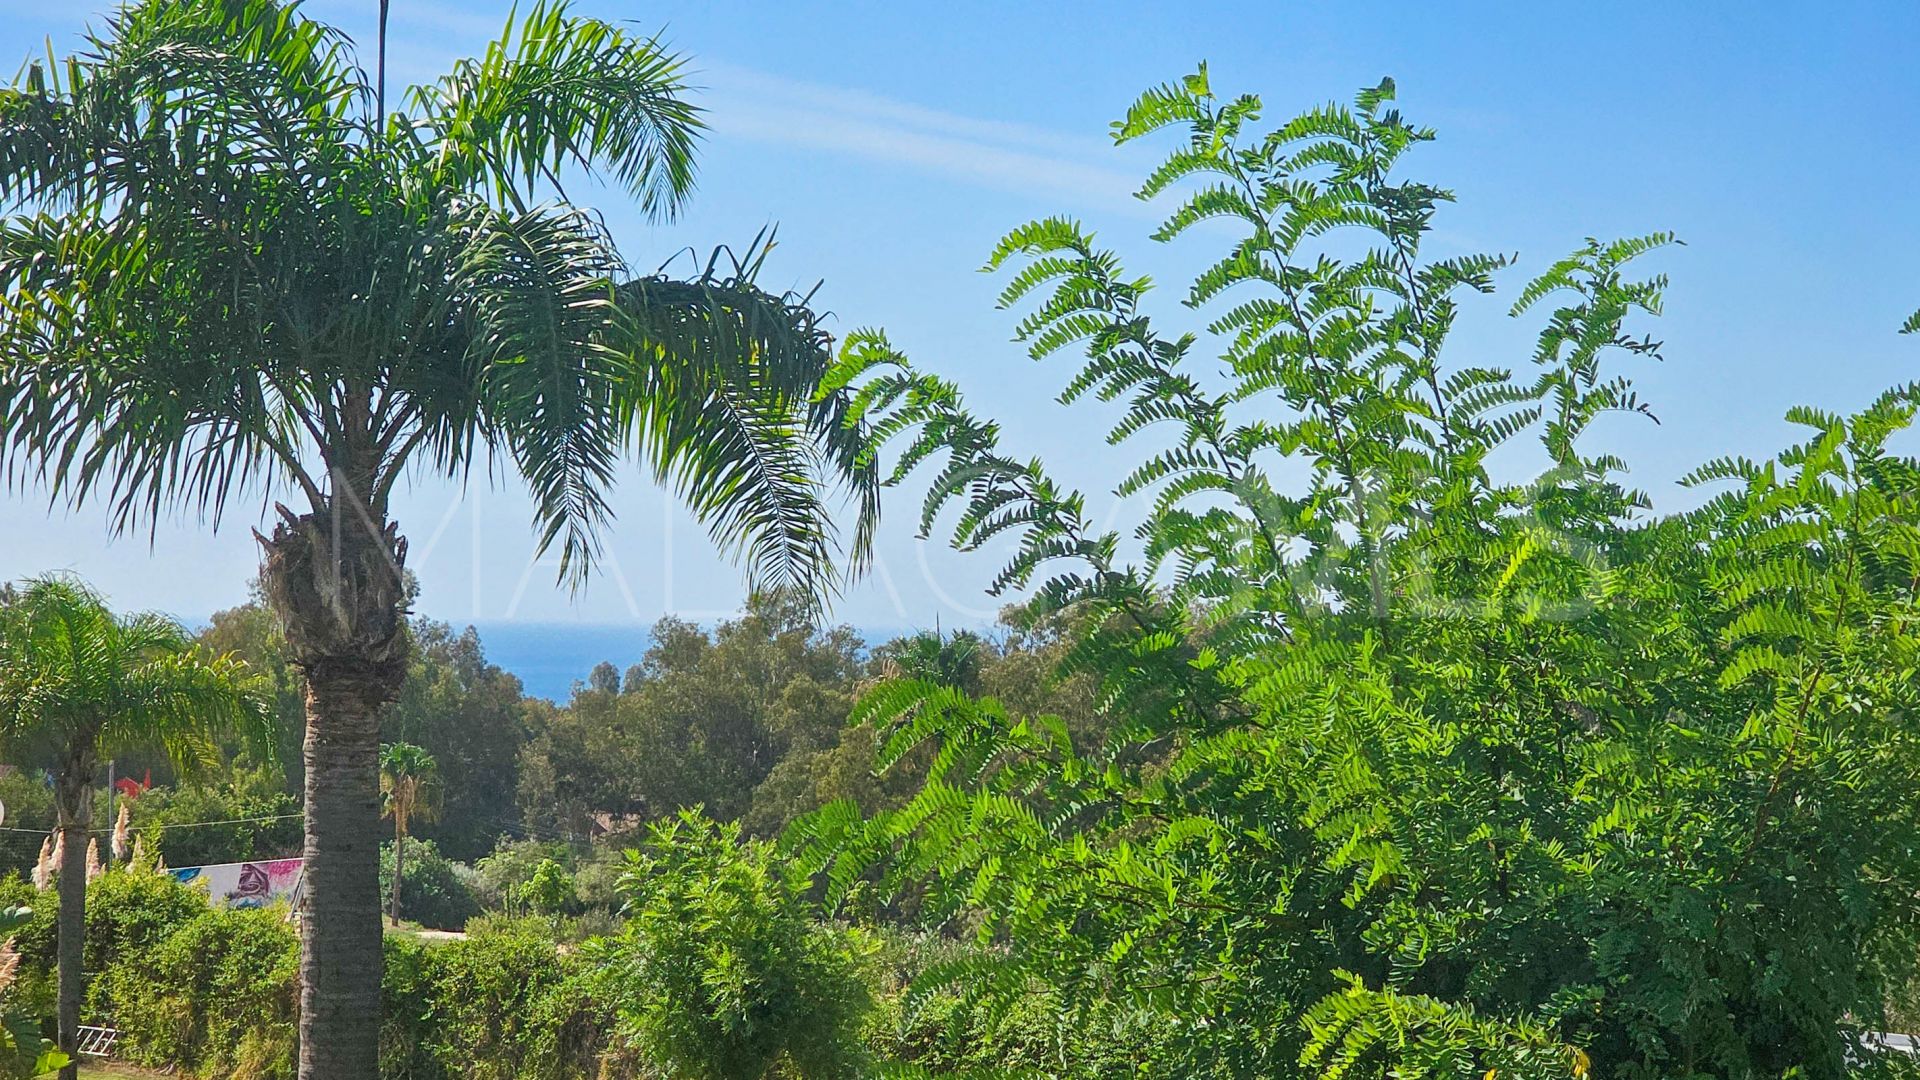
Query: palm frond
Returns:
{"type": "Point", "coordinates": [554, 91]}
{"type": "Point", "coordinates": [126, 369]}
{"type": "Point", "coordinates": [547, 381]}
{"type": "Point", "coordinates": [72, 672]}
{"type": "Point", "coordinates": [225, 276]}
{"type": "Point", "coordinates": [728, 410]}
{"type": "Point", "coordinates": [170, 89]}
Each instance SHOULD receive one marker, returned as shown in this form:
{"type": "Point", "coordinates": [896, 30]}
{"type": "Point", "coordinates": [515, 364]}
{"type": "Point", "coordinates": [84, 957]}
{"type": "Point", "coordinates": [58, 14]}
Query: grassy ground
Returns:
{"type": "Point", "coordinates": [111, 1070]}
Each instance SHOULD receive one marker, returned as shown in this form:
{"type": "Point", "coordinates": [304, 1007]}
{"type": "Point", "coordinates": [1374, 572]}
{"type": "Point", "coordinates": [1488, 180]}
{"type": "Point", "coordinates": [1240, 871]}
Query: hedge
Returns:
{"type": "Point", "coordinates": [213, 993]}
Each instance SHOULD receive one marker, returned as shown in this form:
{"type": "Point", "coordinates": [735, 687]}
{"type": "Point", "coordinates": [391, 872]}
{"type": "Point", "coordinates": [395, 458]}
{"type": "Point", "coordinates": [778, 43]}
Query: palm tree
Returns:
{"type": "Point", "coordinates": [410, 788]}
{"type": "Point", "coordinates": [230, 269]}
{"type": "Point", "coordinates": [935, 657]}
{"type": "Point", "coordinates": [79, 685]}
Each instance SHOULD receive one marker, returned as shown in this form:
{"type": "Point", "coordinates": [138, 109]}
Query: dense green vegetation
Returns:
{"type": "Point", "coordinates": [723, 971]}
{"type": "Point", "coordinates": [212, 990]}
{"type": "Point", "coordinates": [747, 720]}
{"type": "Point", "coordinates": [24, 1050]}
{"type": "Point", "coordinates": [1447, 757]}
{"type": "Point", "coordinates": [1402, 739]}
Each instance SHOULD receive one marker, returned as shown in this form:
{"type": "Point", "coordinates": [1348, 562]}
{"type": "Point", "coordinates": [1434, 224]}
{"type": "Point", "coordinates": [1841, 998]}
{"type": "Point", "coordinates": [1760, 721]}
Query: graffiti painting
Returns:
{"type": "Point", "coordinates": [244, 885]}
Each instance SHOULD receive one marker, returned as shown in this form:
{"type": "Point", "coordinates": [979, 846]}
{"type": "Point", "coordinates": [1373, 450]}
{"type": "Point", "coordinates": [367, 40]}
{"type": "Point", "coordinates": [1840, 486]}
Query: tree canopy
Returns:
{"type": "Point", "coordinates": [207, 192]}
{"type": "Point", "coordinates": [1423, 763]}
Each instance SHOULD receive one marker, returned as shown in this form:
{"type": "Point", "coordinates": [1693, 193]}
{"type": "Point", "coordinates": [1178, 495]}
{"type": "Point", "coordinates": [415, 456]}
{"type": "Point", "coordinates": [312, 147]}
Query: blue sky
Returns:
{"type": "Point", "coordinates": [893, 143]}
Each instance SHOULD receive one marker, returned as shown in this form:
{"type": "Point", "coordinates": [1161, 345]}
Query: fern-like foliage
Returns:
{"type": "Point", "coordinates": [1435, 753]}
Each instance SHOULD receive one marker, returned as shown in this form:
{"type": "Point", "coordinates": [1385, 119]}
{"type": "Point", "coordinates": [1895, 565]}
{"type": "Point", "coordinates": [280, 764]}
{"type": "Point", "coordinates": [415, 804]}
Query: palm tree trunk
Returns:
{"type": "Point", "coordinates": [336, 580]}
{"type": "Point", "coordinates": [72, 800]}
{"type": "Point", "coordinates": [340, 930]}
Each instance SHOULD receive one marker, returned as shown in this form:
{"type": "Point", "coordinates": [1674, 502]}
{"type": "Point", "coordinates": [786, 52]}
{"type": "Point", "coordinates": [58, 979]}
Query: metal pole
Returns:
{"type": "Point", "coordinates": [110, 819]}
{"type": "Point", "coordinates": [380, 84]}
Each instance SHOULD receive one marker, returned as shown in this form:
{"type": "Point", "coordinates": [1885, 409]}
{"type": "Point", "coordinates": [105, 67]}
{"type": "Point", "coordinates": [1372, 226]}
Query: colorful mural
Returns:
{"type": "Point", "coordinates": [245, 885]}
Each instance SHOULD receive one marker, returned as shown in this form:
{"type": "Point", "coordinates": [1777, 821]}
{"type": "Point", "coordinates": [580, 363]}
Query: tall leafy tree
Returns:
{"type": "Point", "coordinates": [702, 720]}
{"type": "Point", "coordinates": [410, 788]}
{"type": "Point", "coordinates": [1434, 752]}
{"type": "Point", "coordinates": [253, 633]}
{"type": "Point", "coordinates": [232, 267]}
{"type": "Point", "coordinates": [470, 715]}
{"type": "Point", "coordinates": [79, 685]}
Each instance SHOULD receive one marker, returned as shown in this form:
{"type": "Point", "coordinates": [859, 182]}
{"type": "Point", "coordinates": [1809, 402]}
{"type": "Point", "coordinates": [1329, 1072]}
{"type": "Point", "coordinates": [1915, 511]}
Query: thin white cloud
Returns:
{"type": "Point", "coordinates": [749, 104]}
{"type": "Point", "coordinates": [745, 103]}
{"type": "Point", "coordinates": [759, 85]}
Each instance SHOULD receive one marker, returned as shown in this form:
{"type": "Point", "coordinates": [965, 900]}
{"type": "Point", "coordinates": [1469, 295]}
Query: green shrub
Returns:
{"type": "Point", "coordinates": [508, 1005]}
{"type": "Point", "coordinates": [500, 879]}
{"type": "Point", "coordinates": [435, 891]}
{"type": "Point", "coordinates": [406, 1026]}
{"type": "Point", "coordinates": [504, 1003]}
{"type": "Point", "coordinates": [947, 1032]}
{"type": "Point", "coordinates": [550, 890]}
{"type": "Point", "coordinates": [34, 938]}
{"type": "Point", "coordinates": [33, 986]}
{"type": "Point", "coordinates": [594, 922]}
{"type": "Point", "coordinates": [721, 973]}
{"type": "Point", "coordinates": [128, 913]}
{"type": "Point", "coordinates": [564, 930]}
{"type": "Point", "coordinates": [596, 880]}
{"type": "Point", "coordinates": [1036, 1035]}
{"type": "Point", "coordinates": [24, 1052]}
{"type": "Point", "coordinates": [218, 996]}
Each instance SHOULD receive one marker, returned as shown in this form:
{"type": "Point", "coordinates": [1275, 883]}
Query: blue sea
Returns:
{"type": "Point", "coordinates": [550, 657]}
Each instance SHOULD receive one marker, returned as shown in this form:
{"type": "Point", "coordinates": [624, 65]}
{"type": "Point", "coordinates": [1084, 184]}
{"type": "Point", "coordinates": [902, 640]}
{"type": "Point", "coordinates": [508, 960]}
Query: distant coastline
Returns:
{"type": "Point", "coordinates": [549, 657]}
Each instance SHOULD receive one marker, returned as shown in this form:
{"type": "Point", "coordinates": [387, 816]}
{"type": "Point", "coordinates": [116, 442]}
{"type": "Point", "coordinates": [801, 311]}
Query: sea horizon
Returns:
{"type": "Point", "coordinates": [549, 658]}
